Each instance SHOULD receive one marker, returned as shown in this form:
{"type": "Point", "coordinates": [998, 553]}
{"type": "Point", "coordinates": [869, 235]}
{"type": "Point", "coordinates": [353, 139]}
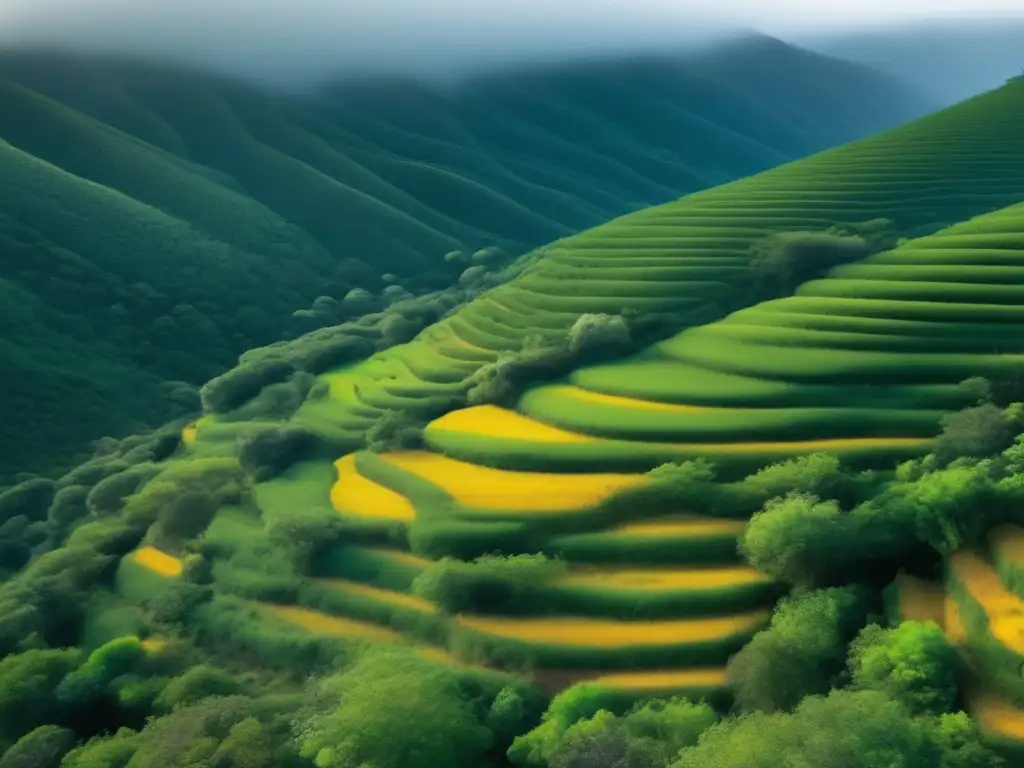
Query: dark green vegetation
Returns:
{"type": "Point", "coordinates": [154, 224]}
{"type": "Point", "coordinates": [679, 591]}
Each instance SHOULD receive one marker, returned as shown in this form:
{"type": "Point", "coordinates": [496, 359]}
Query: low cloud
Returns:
{"type": "Point", "coordinates": [292, 41]}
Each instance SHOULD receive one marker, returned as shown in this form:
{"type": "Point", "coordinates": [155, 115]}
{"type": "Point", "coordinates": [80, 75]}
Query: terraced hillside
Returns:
{"type": "Point", "coordinates": [980, 607]}
{"type": "Point", "coordinates": [143, 208]}
{"type": "Point", "coordinates": [861, 363]}
{"type": "Point", "coordinates": [691, 257]}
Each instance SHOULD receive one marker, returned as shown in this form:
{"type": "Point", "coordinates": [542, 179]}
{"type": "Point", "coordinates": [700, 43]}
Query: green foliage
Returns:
{"type": "Point", "coordinates": [394, 431]}
{"type": "Point", "coordinates": [89, 684]}
{"type": "Point", "coordinates": [491, 583]}
{"type": "Point", "coordinates": [819, 474]}
{"type": "Point", "coordinates": [795, 539]}
{"type": "Point", "coordinates": [104, 751]}
{"type": "Point", "coordinates": [802, 652]}
{"type": "Point", "coordinates": [30, 499]}
{"type": "Point", "coordinates": [861, 728]}
{"type": "Point", "coordinates": [595, 330]}
{"type": "Point", "coordinates": [269, 452]}
{"type": "Point", "coordinates": [43, 747]}
{"type": "Point", "coordinates": [977, 389]}
{"type": "Point", "coordinates": [393, 710]}
{"type": "Point", "coordinates": [108, 495]}
{"type": "Point", "coordinates": [28, 682]}
{"type": "Point", "coordinates": [196, 684]}
{"type": "Point", "coordinates": [977, 432]}
{"type": "Point", "coordinates": [648, 736]}
{"type": "Point", "coordinates": [68, 506]}
{"type": "Point", "coordinates": [233, 389]}
{"type": "Point", "coordinates": [954, 506]}
{"type": "Point", "coordinates": [784, 259]}
{"type": "Point", "coordinates": [912, 663]}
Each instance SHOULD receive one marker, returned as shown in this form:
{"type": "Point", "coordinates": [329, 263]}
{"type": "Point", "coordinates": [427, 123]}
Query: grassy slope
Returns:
{"type": "Point", "coordinates": [872, 352]}
{"type": "Point", "coordinates": [672, 615]}
{"type": "Point", "coordinates": [144, 208]}
{"type": "Point", "coordinates": [691, 254]}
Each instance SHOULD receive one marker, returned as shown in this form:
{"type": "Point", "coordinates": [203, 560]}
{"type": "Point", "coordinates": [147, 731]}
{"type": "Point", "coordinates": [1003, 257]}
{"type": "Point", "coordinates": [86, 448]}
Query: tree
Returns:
{"type": "Point", "coordinates": [802, 652]}
{"type": "Point", "coordinates": [912, 663]}
{"type": "Point", "coordinates": [394, 431]}
{"type": "Point", "coordinates": [44, 747]}
{"type": "Point", "coordinates": [30, 499]}
{"type": "Point", "coordinates": [977, 432]}
{"type": "Point", "coordinates": [783, 259]}
{"type": "Point", "coordinates": [593, 330]}
{"type": "Point", "coordinates": [796, 539]}
{"type": "Point", "coordinates": [648, 736]}
{"type": "Point", "coordinates": [27, 684]}
{"type": "Point", "coordinates": [847, 728]}
{"type": "Point", "coordinates": [392, 709]}
{"type": "Point", "coordinates": [819, 474]}
{"type": "Point", "coordinates": [105, 751]}
{"type": "Point", "coordinates": [268, 452]}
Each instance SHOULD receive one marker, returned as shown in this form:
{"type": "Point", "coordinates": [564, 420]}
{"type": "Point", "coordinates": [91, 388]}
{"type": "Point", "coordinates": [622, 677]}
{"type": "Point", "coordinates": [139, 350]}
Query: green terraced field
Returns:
{"type": "Point", "coordinates": [248, 205]}
{"type": "Point", "coordinates": [815, 368]}
{"type": "Point", "coordinates": [691, 255]}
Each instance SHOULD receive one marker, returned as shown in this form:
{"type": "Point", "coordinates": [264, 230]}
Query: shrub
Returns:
{"type": "Point", "coordinates": [268, 452]}
{"type": "Point", "coordinates": [819, 474]}
{"type": "Point", "coordinates": [199, 682]}
{"type": "Point", "coordinates": [43, 747]}
{"type": "Point", "coordinates": [30, 499]}
{"type": "Point", "coordinates": [392, 709]}
{"type": "Point", "coordinates": [649, 736]}
{"type": "Point", "coordinates": [107, 497]}
{"type": "Point", "coordinates": [275, 402]}
{"type": "Point", "coordinates": [394, 431]}
{"type": "Point", "coordinates": [784, 259]}
{"type": "Point", "coordinates": [490, 583]}
{"type": "Point", "coordinates": [185, 517]}
{"type": "Point", "coordinates": [977, 432]}
{"type": "Point", "coordinates": [913, 663]}
{"type": "Point", "coordinates": [796, 538]}
{"type": "Point", "coordinates": [802, 652]}
{"type": "Point", "coordinates": [977, 389]}
{"type": "Point", "coordinates": [236, 387]}
{"type": "Point", "coordinates": [846, 728]}
{"type": "Point", "coordinates": [596, 330]}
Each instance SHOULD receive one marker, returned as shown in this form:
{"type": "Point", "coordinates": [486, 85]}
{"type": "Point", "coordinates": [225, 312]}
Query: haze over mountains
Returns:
{"type": "Point", "coordinates": [950, 58]}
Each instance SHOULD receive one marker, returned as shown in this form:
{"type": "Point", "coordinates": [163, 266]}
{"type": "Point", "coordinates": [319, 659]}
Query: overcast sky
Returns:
{"type": "Point", "coordinates": [285, 39]}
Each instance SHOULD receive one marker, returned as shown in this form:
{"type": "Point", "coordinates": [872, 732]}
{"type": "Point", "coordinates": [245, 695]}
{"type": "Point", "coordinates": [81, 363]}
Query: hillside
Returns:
{"type": "Point", "coordinates": [144, 208]}
{"type": "Point", "coordinates": [614, 584]}
{"type": "Point", "coordinates": [680, 264]}
{"type": "Point", "coordinates": [724, 516]}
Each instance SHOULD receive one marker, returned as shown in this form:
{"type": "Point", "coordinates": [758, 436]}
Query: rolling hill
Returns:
{"type": "Point", "coordinates": [688, 259]}
{"type": "Point", "coordinates": [860, 364]}
{"type": "Point", "coordinates": [534, 547]}
{"type": "Point", "coordinates": [145, 208]}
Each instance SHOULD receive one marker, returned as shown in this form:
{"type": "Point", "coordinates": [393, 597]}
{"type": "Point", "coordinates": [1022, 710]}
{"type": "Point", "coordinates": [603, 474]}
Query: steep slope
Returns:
{"type": "Point", "coordinates": [653, 599]}
{"type": "Point", "coordinates": [144, 208]}
{"type": "Point", "coordinates": [690, 257]}
{"type": "Point", "coordinates": [861, 363]}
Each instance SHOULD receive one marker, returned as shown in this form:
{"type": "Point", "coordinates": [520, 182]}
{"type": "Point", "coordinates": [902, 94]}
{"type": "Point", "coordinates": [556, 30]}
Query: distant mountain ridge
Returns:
{"type": "Point", "coordinates": [951, 59]}
{"type": "Point", "coordinates": [155, 223]}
